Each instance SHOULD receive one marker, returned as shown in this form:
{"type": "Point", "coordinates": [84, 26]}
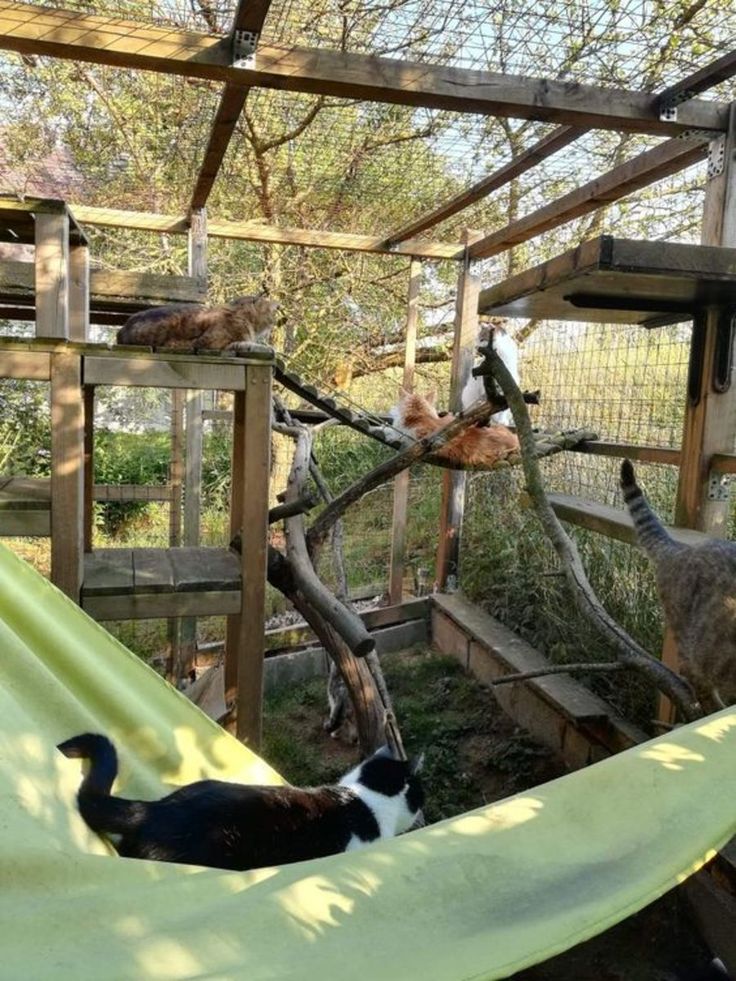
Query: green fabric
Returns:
{"type": "Point", "coordinates": [479, 896]}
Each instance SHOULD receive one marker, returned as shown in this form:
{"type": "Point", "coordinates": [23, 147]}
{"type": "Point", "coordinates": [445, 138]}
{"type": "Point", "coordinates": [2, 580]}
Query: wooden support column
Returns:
{"type": "Point", "coordinates": [89, 466]}
{"type": "Point", "coordinates": [453, 481]}
{"type": "Point", "coordinates": [703, 498]}
{"type": "Point", "coordinates": [401, 482]}
{"type": "Point", "coordinates": [176, 473]}
{"type": "Point", "coordinates": [67, 468]}
{"type": "Point", "coordinates": [187, 632]}
{"type": "Point", "coordinates": [79, 292]}
{"type": "Point", "coordinates": [52, 275]}
{"type": "Point", "coordinates": [244, 643]}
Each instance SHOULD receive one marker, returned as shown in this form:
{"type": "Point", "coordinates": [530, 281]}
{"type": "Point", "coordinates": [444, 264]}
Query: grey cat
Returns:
{"type": "Point", "coordinates": [697, 587]}
{"type": "Point", "coordinates": [341, 722]}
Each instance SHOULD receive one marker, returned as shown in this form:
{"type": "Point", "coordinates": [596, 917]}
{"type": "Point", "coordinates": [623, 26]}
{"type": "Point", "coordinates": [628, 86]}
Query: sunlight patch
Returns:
{"type": "Point", "coordinates": [671, 756]}
{"type": "Point", "coordinates": [313, 904]}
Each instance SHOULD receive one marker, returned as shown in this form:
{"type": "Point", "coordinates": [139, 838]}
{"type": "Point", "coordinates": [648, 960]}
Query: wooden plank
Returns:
{"type": "Point", "coordinates": [199, 569]}
{"type": "Point", "coordinates": [25, 523]}
{"type": "Point", "coordinates": [233, 626]}
{"type": "Point", "coordinates": [67, 472]}
{"type": "Point", "coordinates": [401, 481]}
{"type": "Point", "coordinates": [88, 409]}
{"type": "Point", "coordinates": [699, 81]}
{"type": "Point", "coordinates": [25, 491]}
{"type": "Point", "coordinates": [153, 606]}
{"type": "Point", "coordinates": [153, 570]}
{"type": "Point", "coordinates": [158, 371]}
{"type": "Point", "coordinates": [193, 467]}
{"type": "Point", "coordinates": [561, 137]}
{"type": "Point", "coordinates": [79, 291]}
{"type": "Point", "coordinates": [51, 280]}
{"type": "Point", "coordinates": [447, 562]}
{"type": "Point", "coordinates": [255, 428]}
{"type": "Point", "coordinates": [31, 365]}
{"type": "Point", "coordinates": [642, 170]}
{"type": "Point", "coordinates": [77, 36]}
{"type": "Point", "coordinates": [612, 280]}
{"type": "Point", "coordinates": [176, 474]}
{"type": "Point", "coordinates": [644, 454]}
{"type": "Point", "coordinates": [108, 572]}
{"type": "Point", "coordinates": [710, 418]}
{"type": "Point", "coordinates": [610, 521]}
{"type": "Point", "coordinates": [132, 492]}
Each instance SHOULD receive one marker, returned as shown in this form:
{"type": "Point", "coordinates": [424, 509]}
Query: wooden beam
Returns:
{"type": "Point", "coordinates": [701, 80]}
{"type": "Point", "coordinates": [67, 469]}
{"type": "Point", "coordinates": [51, 279]}
{"type": "Point", "coordinates": [645, 168]}
{"type": "Point", "coordinates": [77, 36]}
{"type": "Point", "coordinates": [251, 231]}
{"type": "Point", "coordinates": [401, 482]}
{"type": "Point", "coordinates": [453, 482]}
{"type": "Point", "coordinates": [249, 16]}
{"type": "Point", "coordinates": [645, 454]}
{"type": "Point", "coordinates": [561, 137]}
{"type": "Point", "coordinates": [79, 292]}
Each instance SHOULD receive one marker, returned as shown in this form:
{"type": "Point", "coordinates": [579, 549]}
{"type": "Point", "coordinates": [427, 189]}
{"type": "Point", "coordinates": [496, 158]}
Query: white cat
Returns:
{"type": "Point", "coordinates": [508, 351]}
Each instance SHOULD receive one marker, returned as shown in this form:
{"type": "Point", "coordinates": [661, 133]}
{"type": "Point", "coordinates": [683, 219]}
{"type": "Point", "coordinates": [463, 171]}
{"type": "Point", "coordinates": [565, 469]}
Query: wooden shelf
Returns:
{"type": "Point", "coordinates": [612, 280]}
{"type": "Point", "coordinates": [142, 583]}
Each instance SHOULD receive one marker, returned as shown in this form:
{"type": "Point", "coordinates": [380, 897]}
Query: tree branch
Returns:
{"type": "Point", "coordinates": [627, 649]}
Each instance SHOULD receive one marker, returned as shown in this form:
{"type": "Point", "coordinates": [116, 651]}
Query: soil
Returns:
{"type": "Point", "coordinates": [474, 754]}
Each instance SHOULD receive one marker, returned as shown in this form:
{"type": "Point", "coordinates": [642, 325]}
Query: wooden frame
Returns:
{"type": "Point", "coordinates": [103, 40]}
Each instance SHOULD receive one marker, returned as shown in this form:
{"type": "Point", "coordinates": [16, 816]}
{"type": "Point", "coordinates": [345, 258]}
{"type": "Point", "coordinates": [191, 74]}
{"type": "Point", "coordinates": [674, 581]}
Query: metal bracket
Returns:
{"type": "Point", "coordinates": [719, 486]}
{"type": "Point", "coordinates": [668, 110]}
{"type": "Point", "coordinates": [244, 49]}
{"type": "Point", "coordinates": [716, 156]}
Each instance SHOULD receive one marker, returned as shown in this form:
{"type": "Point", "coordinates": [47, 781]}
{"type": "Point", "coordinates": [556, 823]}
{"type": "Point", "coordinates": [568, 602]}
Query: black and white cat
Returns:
{"type": "Point", "coordinates": [236, 826]}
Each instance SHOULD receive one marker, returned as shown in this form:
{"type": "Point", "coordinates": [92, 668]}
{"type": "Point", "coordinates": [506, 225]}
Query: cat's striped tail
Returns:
{"type": "Point", "coordinates": [101, 811]}
{"type": "Point", "coordinates": [652, 535]}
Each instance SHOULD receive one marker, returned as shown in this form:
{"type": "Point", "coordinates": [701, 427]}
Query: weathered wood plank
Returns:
{"type": "Point", "coordinates": [108, 572]}
{"type": "Point", "coordinates": [158, 372]}
{"type": "Point", "coordinates": [153, 570]}
{"type": "Point", "coordinates": [610, 521]}
{"type": "Point", "coordinates": [401, 481]}
{"type": "Point", "coordinates": [79, 291]}
{"type": "Point", "coordinates": [645, 454]}
{"type": "Point", "coordinates": [51, 275]}
{"type": "Point", "coordinates": [25, 523]}
{"type": "Point", "coordinates": [67, 473]}
{"type": "Point", "coordinates": [643, 169]}
{"type": "Point", "coordinates": [561, 137]}
{"type": "Point", "coordinates": [31, 365]}
{"type": "Point", "coordinates": [102, 40]}
{"type": "Point", "coordinates": [204, 569]}
{"type": "Point", "coordinates": [153, 606]}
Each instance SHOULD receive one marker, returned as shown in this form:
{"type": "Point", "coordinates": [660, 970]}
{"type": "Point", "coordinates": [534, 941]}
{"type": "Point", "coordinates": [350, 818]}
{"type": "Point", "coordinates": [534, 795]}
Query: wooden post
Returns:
{"type": "Point", "coordinates": [249, 512]}
{"type": "Point", "coordinates": [176, 474]}
{"type": "Point", "coordinates": [453, 482]}
{"type": "Point", "coordinates": [52, 275]}
{"type": "Point", "coordinates": [186, 643]}
{"type": "Point", "coordinates": [703, 499]}
{"type": "Point", "coordinates": [89, 466]}
{"type": "Point", "coordinates": [78, 292]}
{"type": "Point", "coordinates": [67, 468]}
{"type": "Point", "coordinates": [401, 482]}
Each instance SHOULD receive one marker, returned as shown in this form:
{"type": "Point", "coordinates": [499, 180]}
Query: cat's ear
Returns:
{"type": "Point", "coordinates": [403, 392]}
{"type": "Point", "coordinates": [431, 396]}
{"type": "Point", "coordinates": [416, 764]}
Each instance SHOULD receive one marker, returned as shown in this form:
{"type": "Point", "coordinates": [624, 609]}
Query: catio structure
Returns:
{"type": "Point", "coordinates": [607, 280]}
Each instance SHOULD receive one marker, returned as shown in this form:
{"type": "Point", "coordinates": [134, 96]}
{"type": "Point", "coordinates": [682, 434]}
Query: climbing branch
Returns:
{"type": "Point", "coordinates": [601, 666]}
{"type": "Point", "coordinates": [627, 649]}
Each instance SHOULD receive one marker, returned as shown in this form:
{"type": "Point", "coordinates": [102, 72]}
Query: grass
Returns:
{"type": "Point", "coordinates": [473, 753]}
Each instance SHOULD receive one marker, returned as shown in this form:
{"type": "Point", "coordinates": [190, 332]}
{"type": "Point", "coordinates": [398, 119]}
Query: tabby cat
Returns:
{"type": "Point", "coordinates": [236, 826]}
{"type": "Point", "coordinates": [186, 327]}
{"type": "Point", "coordinates": [697, 587]}
{"type": "Point", "coordinates": [476, 446]}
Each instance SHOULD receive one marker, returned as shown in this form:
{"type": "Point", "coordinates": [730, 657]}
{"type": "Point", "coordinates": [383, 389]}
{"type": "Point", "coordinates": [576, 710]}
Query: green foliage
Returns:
{"type": "Point", "coordinates": [128, 458]}
{"type": "Point", "coordinates": [25, 428]}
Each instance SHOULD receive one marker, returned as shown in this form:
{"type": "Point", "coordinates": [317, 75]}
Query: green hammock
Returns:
{"type": "Point", "coordinates": [479, 896]}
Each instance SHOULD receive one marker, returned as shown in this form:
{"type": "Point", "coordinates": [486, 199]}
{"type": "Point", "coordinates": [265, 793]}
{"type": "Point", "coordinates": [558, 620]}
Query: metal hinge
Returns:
{"type": "Point", "coordinates": [719, 486]}
{"type": "Point", "coordinates": [716, 156]}
{"type": "Point", "coordinates": [244, 49]}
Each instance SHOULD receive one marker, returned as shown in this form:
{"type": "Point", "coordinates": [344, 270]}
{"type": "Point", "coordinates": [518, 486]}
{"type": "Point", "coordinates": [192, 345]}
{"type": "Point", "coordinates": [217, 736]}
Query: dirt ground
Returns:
{"type": "Point", "coordinates": [474, 754]}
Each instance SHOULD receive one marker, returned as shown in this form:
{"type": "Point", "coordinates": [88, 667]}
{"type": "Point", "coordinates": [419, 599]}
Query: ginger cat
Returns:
{"type": "Point", "coordinates": [477, 446]}
{"type": "Point", "coordinates": [185, 327]}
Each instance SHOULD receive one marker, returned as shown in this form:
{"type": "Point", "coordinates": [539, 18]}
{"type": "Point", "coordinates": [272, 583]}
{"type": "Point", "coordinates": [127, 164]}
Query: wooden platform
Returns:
{"type": "Point", "coordinates": [612, 280]}
{"type": "Point", "coordinates": [143, 583]}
